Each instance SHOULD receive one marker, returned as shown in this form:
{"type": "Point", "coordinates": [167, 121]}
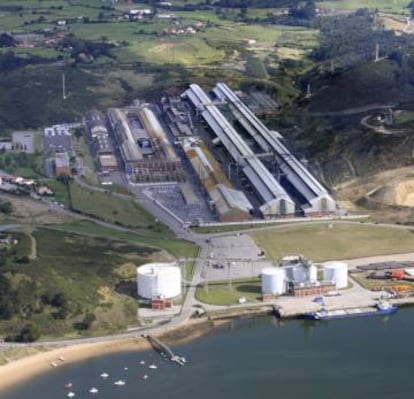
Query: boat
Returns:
{"type": "Point", "coordinates": [142, 362]}
{"type": "Point", "coordinates": [61, 358]}
{"type": "Point", "coordinates": [70, 394]}
{"type": "Point", "coordinates": [152, 366]}
{"type": "Point", "coordinates": [68, 385]}
{"type": "Point", "coordinates": [144, 377]}
{"type": "Point", "coordinates": [94, 390]}
{"type": "Point", "coordinates": [53, 364]}
{"type": "Point", "coordinates": [104, 375]}
{"type": "Point", "coordinates": [380, 309]}
{"type": "Point", "coordinates": [119, 383]}
{"type": "Point", "coordinates": [125, 368]}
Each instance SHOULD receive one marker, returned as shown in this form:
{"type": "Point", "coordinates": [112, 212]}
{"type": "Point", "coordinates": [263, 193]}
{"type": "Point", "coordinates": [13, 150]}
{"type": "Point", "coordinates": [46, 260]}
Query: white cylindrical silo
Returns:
{"type": "Point", "coordinates": [313, 274]}
{"type": "Point", "coordinates": [336, 272]}
{"type": "Point", "coordinates": [159, 280]}
{"type": "Point", "coordinates": [273, 281]}
{"type": "Point", "coordinates": [300, 274]}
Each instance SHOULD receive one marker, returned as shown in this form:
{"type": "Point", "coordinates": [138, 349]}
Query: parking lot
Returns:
{"type": "Point", "coordinates": [171, 196]}
{"type": "Point", "coordinates": [234, 257]}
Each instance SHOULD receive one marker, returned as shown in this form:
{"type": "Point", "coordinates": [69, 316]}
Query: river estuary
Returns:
{"type": "Point", "coordinates": [255, 358]}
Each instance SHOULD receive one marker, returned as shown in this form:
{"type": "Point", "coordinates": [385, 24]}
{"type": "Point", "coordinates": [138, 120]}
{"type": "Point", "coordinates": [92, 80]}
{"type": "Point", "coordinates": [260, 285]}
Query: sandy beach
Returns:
{"type": "Point", "coordinates": [21, 370]}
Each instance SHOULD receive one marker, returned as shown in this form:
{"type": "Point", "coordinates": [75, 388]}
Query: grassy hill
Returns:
{"type": "Point", "coordinates": [68, 277]}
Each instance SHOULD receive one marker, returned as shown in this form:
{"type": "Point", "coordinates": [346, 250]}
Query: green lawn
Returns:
{"type": "Point", "coordinates": [107, 207]}
{"type": "Point", "coordinates": [219, 293]}
{"type": "Point", "coordinates": [164, 240]}
{"type": "Point", "coordinates": [318, 242]}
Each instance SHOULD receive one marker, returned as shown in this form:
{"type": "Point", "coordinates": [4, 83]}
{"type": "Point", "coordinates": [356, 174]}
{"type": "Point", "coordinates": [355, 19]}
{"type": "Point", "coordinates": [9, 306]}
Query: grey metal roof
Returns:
{"type": "Point", "coordinates": [296, 173]}
{"type": "Point", "coordinates": [264, 182]}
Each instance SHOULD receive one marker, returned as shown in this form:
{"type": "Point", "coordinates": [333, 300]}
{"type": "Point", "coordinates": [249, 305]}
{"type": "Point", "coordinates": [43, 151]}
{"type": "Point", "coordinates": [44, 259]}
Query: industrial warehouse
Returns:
{"type": "Point", "coordinates": [209, 150]}
{"type": "Point", "coordinates": [146, 151]}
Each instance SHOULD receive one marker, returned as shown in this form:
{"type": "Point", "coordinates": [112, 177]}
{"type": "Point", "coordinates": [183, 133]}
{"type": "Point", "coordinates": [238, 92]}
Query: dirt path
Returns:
{"type": "Point", "coordinates": [33, 247]}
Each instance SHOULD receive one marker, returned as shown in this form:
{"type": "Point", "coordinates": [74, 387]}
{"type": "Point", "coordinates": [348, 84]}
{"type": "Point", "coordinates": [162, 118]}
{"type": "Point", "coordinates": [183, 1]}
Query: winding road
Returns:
{"type": "Point", "coordinates": [202, 240]}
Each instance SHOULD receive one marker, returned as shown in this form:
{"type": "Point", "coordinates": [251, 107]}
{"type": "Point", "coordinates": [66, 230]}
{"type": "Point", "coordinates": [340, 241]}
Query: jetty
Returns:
{"type": "Point", "coordinates": [161, 347]}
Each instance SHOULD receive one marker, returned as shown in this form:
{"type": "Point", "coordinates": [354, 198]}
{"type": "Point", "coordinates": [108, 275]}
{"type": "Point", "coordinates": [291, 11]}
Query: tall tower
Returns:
{"type": "Point", "coordinates": [377, 52]}
{"type": "Point", "coordinates": [308, 91]}
{"type": "Point", "coordinates": [63, 87]}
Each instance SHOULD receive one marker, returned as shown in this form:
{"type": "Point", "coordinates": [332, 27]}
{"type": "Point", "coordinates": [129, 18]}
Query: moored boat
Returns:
{"type": "Point", "coordinates": [380, 309]}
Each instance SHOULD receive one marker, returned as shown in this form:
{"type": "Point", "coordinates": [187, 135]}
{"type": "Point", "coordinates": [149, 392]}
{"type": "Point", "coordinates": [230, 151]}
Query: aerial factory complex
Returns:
{"type": "Point", "coordinates": [218, 161]}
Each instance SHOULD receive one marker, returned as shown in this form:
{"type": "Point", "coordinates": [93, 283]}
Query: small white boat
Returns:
{"type": "Point", "coordinates": [119, 383]}
{"type": "Point", "coordinates": [152, 366]}
{"type": "Point", "coordinates": [70, 394]}
{"type": "Point", "coordinates": [142, 362]}
{"type": "Point", "coordinates": [94, 390]}
{"type": "Point", "coordinates": [61, 358]}
{"type": "Point", "coordinates": [125, 368]}
{"type": "Point", "coordinates": [104, 375]}
{"type": "Point", "coordinates": [53, 364]}
{"type": "Point", "coordinates": [144, 377]}
{"type": "Point", "coordinates": [68, 385]}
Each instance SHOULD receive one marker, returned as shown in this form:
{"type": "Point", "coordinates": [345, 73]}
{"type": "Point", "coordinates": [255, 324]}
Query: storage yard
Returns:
{"type": "Point", "coordinates": [205, 158]}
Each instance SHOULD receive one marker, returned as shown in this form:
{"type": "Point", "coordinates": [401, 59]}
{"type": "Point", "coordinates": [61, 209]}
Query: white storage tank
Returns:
{"type": "Point", "coordinates": [336, 272]}
{"type": "Point", "coordinates": [313, 274]}
{"type": "Point", "coordinates": [273, 281]}
{"type": "Point", "coordinates": [296, 274]}
{"type": "Point", "coordinates": [159, 280]}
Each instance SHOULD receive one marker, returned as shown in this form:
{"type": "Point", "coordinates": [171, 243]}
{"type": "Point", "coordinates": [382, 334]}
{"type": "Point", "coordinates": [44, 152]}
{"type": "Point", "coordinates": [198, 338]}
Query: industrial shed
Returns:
{"type": "Point", "coordinates": [276, 201]}
{"type": "Point", "coordinates": [229, 204]}
{"type": "Point", "coordinates": [146, 152]}
{"type": "Point", "coordinates": [315, 199]}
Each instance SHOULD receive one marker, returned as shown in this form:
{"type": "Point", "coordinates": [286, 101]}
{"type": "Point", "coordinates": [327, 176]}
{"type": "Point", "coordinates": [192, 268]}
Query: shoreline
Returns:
{"type": "Point", "coordinates": [20, 370]}
{"type": "Point", "coordinates": [27, 367]}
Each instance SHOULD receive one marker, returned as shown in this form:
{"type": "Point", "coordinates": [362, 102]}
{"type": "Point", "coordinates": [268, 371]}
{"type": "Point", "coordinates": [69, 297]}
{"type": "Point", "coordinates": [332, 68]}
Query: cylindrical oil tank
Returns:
{"type": "Point", "coordinates": [273, 281]}
{"type": "Point", "coordinates": [159, 280]}
{"type": "Point", "coordinates": [336, 272]}
{"type": "Point", "coordinates": [313, 274]}
{"type": "Point", "coordinates": [300, 273]}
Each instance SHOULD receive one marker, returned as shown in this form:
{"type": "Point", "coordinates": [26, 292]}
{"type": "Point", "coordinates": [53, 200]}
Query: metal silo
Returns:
{"type": "Point", "coordinates": [336, 272]}
{"type": "Point", "coordinates": [159, 280]}
{"type": "Point", "coordinates": [273, 281]}
{"type": "Point", "coordinates": [313, 273]}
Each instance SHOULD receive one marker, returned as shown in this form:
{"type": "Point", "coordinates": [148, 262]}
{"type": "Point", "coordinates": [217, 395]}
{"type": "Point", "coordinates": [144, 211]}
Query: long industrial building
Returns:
{"type": "Point", "coordinates": [229, 204]}
{"type": "Point", "coordinates": [146, 152]}
{"type": "Point", "coordinates": [276, 201]}
{"type": "Point", "coordinates": [313, 197]}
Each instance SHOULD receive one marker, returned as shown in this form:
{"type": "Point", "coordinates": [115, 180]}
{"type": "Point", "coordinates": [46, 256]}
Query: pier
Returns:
{"type": "Point", "coordinates": [161, 347]}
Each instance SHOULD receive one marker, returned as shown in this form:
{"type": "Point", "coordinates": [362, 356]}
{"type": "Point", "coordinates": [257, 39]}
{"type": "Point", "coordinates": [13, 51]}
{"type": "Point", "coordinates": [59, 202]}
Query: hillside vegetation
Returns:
{"type": "Point", "coordinates": [72, 286]}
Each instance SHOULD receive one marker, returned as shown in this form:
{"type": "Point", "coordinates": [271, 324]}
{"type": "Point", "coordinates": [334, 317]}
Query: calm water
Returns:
{"type": "Point", "coordinates": [360, 358]}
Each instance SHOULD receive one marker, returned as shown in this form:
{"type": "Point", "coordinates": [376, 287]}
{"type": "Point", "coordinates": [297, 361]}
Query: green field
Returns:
{"type": "Point", "coordinates": [106, 207]}
{"type": "Point", "coordinates": [384, 5]}
{"type": "Point", "coordinates": [92, 273]}
{"type": "Point", "coordinates": [164, 240]}
{"type": "Point", "coordinates": [319, 242]}
{"type": "Point", "coordinates": [219, 293]}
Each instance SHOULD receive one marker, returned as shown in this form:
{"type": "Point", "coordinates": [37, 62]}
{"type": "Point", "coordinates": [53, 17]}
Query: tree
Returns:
{"type": "Point", "coordinates": [29, 333]}
{"type": "Point", "coordinates": [6, 207]}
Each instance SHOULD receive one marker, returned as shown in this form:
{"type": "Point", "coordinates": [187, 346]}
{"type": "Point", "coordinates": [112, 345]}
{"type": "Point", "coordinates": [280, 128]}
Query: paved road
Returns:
{"type": "Point", "coordinates": [189, 301]}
